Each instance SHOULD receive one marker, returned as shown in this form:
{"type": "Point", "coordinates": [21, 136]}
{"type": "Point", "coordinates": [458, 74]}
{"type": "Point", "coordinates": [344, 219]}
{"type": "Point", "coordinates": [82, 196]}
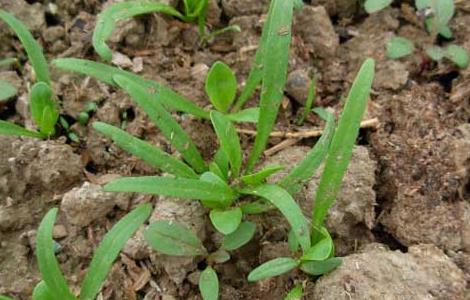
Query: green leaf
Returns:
{"type": "Point", "coordinates": [257, 207]}
{"type": "Point", "coordinates": [317, 268]}
{"type": "Point", "coordinates": [295, 294]}
{"type": "Point", "coordinates": [215, 179]}
{"type": "Point", "coordinates": [250, 115]}
{"type": "Point", "coordinates": [106, 21]}
{"type": "Point", "coordinates": [239, 237]}
{"type": "Point", "coordinates": [222, 162]}
{"type": "Point", "coordinates": [303, 171]}
{"type": "Point", "coordinates": [7, 128]}
{"type": "Point", "coordinates": [164, 121]}
{"type": "Point", "coordinates": [342, 144]}
{"type": "Point", "coordinates": [319, 251]}
{"type": "Point", "coordinates": [372, 6]}
{"type": "Point", "coordinates": [32, 48]}
{"type": "Point", "coordinates": [443, 12]}
{"type": "Point", "coordinates": [168, 98]}
{"type": "Point", "coordinates": [43, 108]}
{"type": "Point", "coordinates": [436, 53]}
{"type": "Point", "coordinates": [145, 151]}
{"type": "Point", "coordinates": [274, 63]}
{"type": "Point", "coordinates": [40, 292]}
{"type": "Point", "coordinates": [172, 238]}
{"type": "Point", "coordinates": [109, 249]}
{"type": "Point", "coordinates": [229, 141]}
{"type": "Point", "coordinates": [312, 90]}
{"type": "Point", "coordinates": [399, 47]}
{"type": "Point", "coordinates": [226, 221]}
{"type": "Point", "coordinates": [7, 90]}
{"type": "Point", "coordinates": [422, 4]}
{"type": "Point", "coordinates": [221, 86]}
{"type": "Point", "coordinates": [292, 241]}
{"type": "Point", "coordinates": [446, 32]}
{"type": "Point", "coordinates": [6, 62]}
{"type": "Point", "coordinates": [272, 268]}
{"type": "Point", "coordinates": [288, 207]}
{"type": "Point", "coordinates": [47, 262]}
{"type": "Point", "coordinates": [218, 257]}
{"type": "Point", "coordinates": [8, 298]}
{"type": "Point", "coordinates": [458, 55]}
{"type": "Point", "coordinates": [173, 187]}
{"type": "Point", "coordinates": [259, 177]}
{"type": "Point", "coordinates": [209, 284]}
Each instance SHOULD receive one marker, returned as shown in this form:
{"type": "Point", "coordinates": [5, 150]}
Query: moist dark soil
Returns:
{"type": "Point", "coordinates": [401, 221]}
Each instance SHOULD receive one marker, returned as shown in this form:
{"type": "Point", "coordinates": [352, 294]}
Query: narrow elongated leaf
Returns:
{"type": "Point", "coordinates": [40, 292]}
{"type": "Point", "coordinates": [342, 144]}
{"type": "Point", "coordinates": [288, 207]}
{"type": "Point", "coordinates": [222, 162]}
{"type": "Point", "coordinates": [257, 207]}
{"type": "Point", "coordinates": [32, 48]}
{"type": "Point", "coordinates": [303, 171]}
{"type": "Point", "coordinates": [272, 268]}
{"type": "Point", "coordinates": [145, 151]}
{"type": "Point", "coordinates": [317, 268]}
{"type": "Point", "coordinates": [7, 128]}
{"type": "Point", "coordinates": [109, 249]}
{"type": "Point", "coordinates": [168, 98]}
{"type": "Point", "coordinates": [319, 251]}
{"type": "Point", "coordinates": [295, 294]}
{"type": "Point", "coordinates": [47, 262]}
{"type": "Point", "coordinates": [209, 284]}
{"type": "Point", "coordinates": [8, 298]}
{"type": "Point", "coordinates": [172, 238]}
{"type": "Point", "coordinates": [259, 177]}
{"type": "Point", "coordinates": [221, 86]}
{"type": "Point", "coordinates": [312, 91]}
{"type": "Point", "coordinates": [275, 62]}
{"type": "Point", "coordinates": [372, 6]}
{"type": "Point", "coordinates": [250, 115]}
{"type": "Point", "coordinates": [226, 221]}
{"type": "Point", "coordinates": [436, 53]}
{"type": "Point", "coordinates": [165, 121]}
{"type": "Point", "coordinates": [239, 237]}
{"type": "Point", "coordinates": [43, 108]}
{"type": "Point", "coordinates": [116, 12]}
{"type": "Point", "coordinates": [173, 187]}
{"type": "Point", "coordinates": [229, 141]}
{"type": "Point", "coordinates": [7, 90]}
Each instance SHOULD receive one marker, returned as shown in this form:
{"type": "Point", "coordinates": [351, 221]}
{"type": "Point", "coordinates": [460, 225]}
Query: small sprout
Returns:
{"type": "Point", "coordinates": [458, 56]}
{"type": "Point", "coordinates": [312, 90]}
{"type": "Point", "coordinates": [73, 137]}
{"type": "Point", "coordinates": [372, 6]}
{"type": "Point", "coordinates": [209, 284]}
{"type": "Point", "coordinates": [399, 47]}
{"type": "Point", "coordinates": [83, 118]}
{"type": "Point", "coordinates": [218, 257]}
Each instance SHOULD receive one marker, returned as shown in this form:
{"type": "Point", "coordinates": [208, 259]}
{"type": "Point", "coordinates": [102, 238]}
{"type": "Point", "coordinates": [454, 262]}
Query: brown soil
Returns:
{"type": "Point", "coordinates": [408, 186]}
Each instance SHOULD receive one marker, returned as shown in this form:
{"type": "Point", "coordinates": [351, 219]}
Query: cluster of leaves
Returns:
{"type": "Point", "coordinates": [42, 105]}
{"type": "Point", "coordinates": [437, 15]}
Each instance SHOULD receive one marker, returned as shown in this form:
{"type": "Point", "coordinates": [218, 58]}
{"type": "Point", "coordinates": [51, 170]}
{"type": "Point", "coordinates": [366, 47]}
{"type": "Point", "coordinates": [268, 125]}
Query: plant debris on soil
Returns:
{"type": "Point", "coordinates": [402, 219]}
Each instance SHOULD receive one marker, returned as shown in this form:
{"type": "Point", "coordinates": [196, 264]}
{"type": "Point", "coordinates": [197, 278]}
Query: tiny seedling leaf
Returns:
{"type": "Point", "coordinates": [372, 6]}
{"type": "Point", "coordinates": [32, 48]}
{"type": "Point", "coordinates": [218, 257]}
{"type": "Point", "coordinates": [47, 262]}
{"type": "Point", "coordinates": [40, 292]}
{"type": "Point", "coordinates": [7, 90]}
{"type": "Point", "coordinates": [399, 47]}
{"type": "Point", "coordinates": [43, 108]}
{"type": "Point", "coordinates": [312, 90]}
{"type": "Point", "coordinates": [174, 187]}
{"type": "Point", "coordinates": [272, 268]}
{"type": "Point", "coordinates": [342, 144]}
{"type": "Point", "coordinates": [145, 151]}
{"type": "Point", "coordinates": [422, 4]}
{"type": "Point", "coordinates": [458, 55]}
{"type": "Point", "coordinates": [436, 53]}
{"type": "Point", "coordinates": [226, 221]}
{"type": "Point", "coordinates": [295, 294]}
{"type": "Point", "coordinates": [7, 128]}
{"type": "Point", "coordinates": [209, 284]}
{"type": "Point", "coordinates": [317, 268]}
{"type": "Point", "coordinates": [221, 86]}
{"type": "Point", "coordinates": [229, 141]}
{"type": "Point", "coordinates": [172, 238]}
{"type": "Point", "coordinates": [239, 237]}
{"type": "Point", "coordinates": [443, 12]}
{"type": "Point", "coordinates": [109, 249]}
{"type": "Point", "coordinates": [260, 176]}
{"type": "Point", "coordinates": [319, 251]}
{"type": "Point", "coordinates": [281, 199]}
{"type": "Point", "coordinates": [250, 115]}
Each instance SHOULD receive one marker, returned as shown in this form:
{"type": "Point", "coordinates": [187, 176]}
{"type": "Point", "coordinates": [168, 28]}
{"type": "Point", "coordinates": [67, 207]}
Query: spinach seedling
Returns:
{"type": "Point", "coordinates": [43, 107]}
{"type": "Point", "coordinates": [437, 15]}
{"type": "Point", "coordinates": [54, 286]}
{"type": "Point", "coordinates": [194, 11]}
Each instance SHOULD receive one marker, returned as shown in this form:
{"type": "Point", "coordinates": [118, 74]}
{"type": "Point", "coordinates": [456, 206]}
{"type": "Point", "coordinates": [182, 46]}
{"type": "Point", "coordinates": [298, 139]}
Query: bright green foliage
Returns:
{"type": "Point", "coordinates": [239, 237]}
{"type": "Point", "coordinates": [342, 144]}
{"type": "Point", "coordinates": [320, 251]}
{"type": "Point", "coordinates": [109, 249]}
{"type": "Point", "coordinates": [458, 56]}
{"type": "Point", "coordinates": [317, 268]}
{"type": "Point", "coordinates": [399, 47]}
{"type": "Point", "coordinates": [32, 48]}
{"type": "Point", "coordinates": [373, 6]}
{"type": "Point", "coordinates": [312, 90]}
{"type": "Point", "coordinates": [250, 115]}
{"type": "Point", "coordinates": [221, 86]}
{"type": "Point", "coordinates": [260, 176]}
{"type": "Point", "coordinates": [274, 62]}
{"type": "Point", "coordinates": [295, 294]}
{"type": "Point", "coordinates": [7, 128]}
{"type": "Point", "coordinates": [275, 267]}
{"type": "Point", "coordinates": [226, 221]}
{"type": "Point", "coordinates": [43, 108]}
{"type": "Point", "coordinates": [7, 90]}
{"type": "Point", "coordinates": [209, 284]}
{"type": "Point", "coordinates": [172, 238]}
{"type": "Point", "coordinates": [41, 292]}
{"type": "Point", "coordinates": [435, 53]}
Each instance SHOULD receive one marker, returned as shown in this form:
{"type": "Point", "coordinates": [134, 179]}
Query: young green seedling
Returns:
{"type": "Point", "coordinates": [43, 107]}
{"type": "Point", "coordinates": [54, 286]}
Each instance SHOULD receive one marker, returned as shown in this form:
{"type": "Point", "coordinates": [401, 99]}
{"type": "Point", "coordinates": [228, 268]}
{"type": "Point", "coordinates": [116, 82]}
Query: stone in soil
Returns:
{"type": "Point", "coordinates": [425, 272]}
{"type": "Point", "coordinates": [235, 8]}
